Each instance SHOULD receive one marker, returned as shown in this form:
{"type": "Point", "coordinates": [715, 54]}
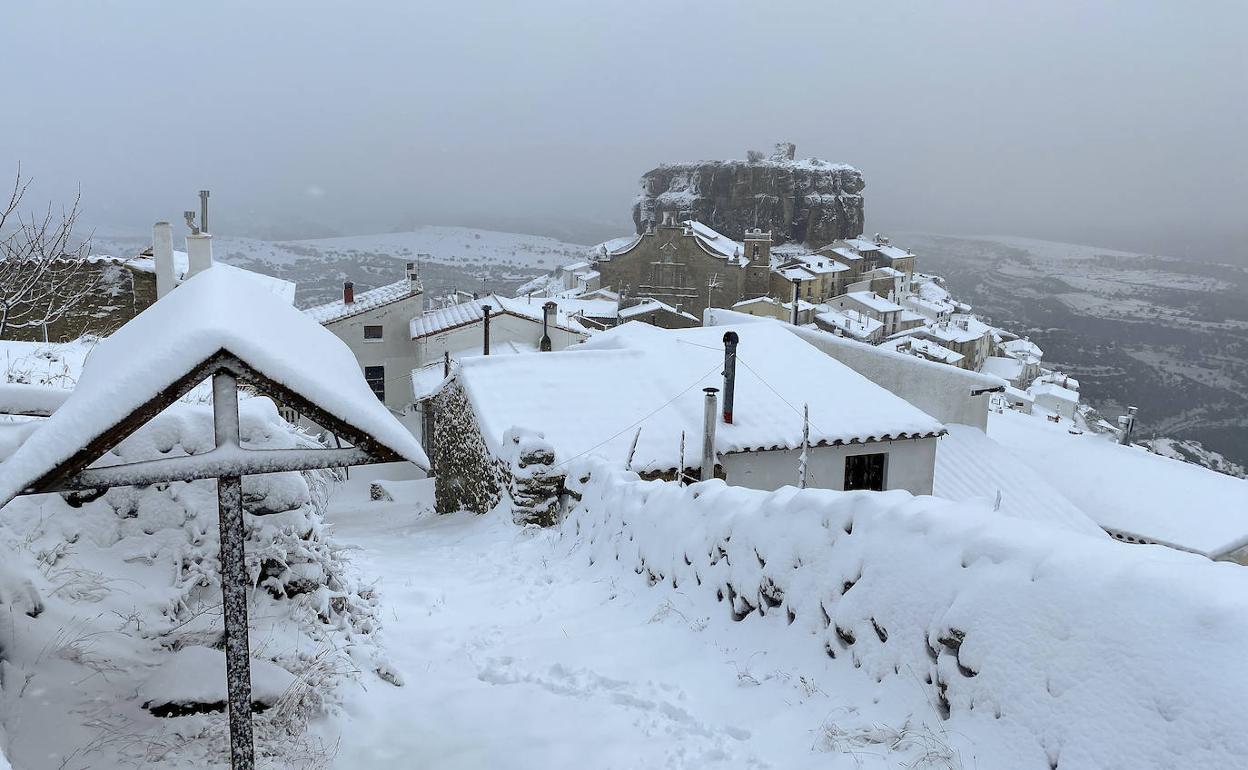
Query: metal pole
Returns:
{"type": "Point", "coordinates": [708, 434]}
{"type": "Point", "coordinates": [446, 363]}
{"type": "Point", "coordinates": [485, 337]}
{"type": "Point", "coordinates": [680, 473]}
{"type": "Point", "coordinates": [805, 457]}
{"type": "Point", "coordinates": [203, 211]}
{"type": "Point", "coordinates": [233, 578]}
{"type": "Point", "coordinates": [730, 372]}
{"type": "Point", "coordinates": [797, 293]}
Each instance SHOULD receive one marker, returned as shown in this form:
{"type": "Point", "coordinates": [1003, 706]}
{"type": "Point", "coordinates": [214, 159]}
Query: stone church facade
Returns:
{"type": "Point", "coordinates": [689, 266]}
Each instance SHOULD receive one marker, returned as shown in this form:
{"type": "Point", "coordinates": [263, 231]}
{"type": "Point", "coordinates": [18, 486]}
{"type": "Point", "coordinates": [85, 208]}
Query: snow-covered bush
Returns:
{"type": "Point", "coordinates": [468, 476]}
{"type": "Point", "coordinates": [1095, 654]}
{"type": "Point", "coordinates": [132, 577]}
{"type": "Point", "coordinates": [533, 480]}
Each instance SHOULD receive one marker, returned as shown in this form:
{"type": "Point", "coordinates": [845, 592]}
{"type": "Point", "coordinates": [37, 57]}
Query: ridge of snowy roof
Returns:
{"type": "Point", "coordinates": [714, 240]}
{"type": "Point", "coordinates": [465, 313]}
{"type": "Point", "coordinates": [213, 311]}
{"type": "Point", "coordinates": [181, 266]}
{"type": "Point", "coordinates": [590, 399]}
{"type": "Point", "coordinates": [364, 301]}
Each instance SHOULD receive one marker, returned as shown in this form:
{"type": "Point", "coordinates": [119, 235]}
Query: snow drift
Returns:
{"type": "Point", "coordinates": [1095, 653]}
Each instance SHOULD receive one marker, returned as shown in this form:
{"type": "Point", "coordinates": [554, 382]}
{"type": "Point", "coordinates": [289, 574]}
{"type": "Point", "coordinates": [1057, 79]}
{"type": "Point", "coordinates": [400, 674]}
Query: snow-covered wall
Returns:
{"type": "Point", "coordinates": [1089, 653]}
{"type": "Point", "coordinates": [943, 391]}
{"type": "Point", "coordinates": [910, 466]}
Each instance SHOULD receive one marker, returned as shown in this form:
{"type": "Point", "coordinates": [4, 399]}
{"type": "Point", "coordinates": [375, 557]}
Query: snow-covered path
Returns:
{"type": "Point", "coordinates": [517, 656]}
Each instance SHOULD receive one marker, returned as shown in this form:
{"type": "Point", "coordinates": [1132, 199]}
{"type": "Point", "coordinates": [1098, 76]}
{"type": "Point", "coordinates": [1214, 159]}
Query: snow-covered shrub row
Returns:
{"type": "Point", "coordinates": [1099, 654]}
{"type": "Point", "coordinates": [132, 576]}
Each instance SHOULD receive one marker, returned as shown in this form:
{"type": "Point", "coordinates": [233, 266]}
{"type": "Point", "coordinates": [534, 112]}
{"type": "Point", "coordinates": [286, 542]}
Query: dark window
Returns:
{"type": "Point", "coordinates": [372, 332]}
{"type": "Point", "coordinates": [865, 472]}
{"type": "Point", "coordinates": [756, 251]}
{"type": "Point", "coordinates": [376, 378]}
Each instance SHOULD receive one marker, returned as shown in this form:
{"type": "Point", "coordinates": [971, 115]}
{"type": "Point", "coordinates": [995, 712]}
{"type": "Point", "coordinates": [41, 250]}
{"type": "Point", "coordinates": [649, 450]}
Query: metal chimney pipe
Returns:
{"type": "Point", "coordinates": [203, 211]}
{"type": "Point", "coordinates": [708, 435]}
{"type": "Point", "coordinates": [446, 363]}
{"type": "Point", "coordinates": [485, 340]}
{"type": "Point", "coordinates": [730, 372]}
{"type": "Point", "coordinates": [162, 255]}
{"type": "Point", "coordinates": [547, 309]}
{"type": "Point", "coordinates": [797, 293]}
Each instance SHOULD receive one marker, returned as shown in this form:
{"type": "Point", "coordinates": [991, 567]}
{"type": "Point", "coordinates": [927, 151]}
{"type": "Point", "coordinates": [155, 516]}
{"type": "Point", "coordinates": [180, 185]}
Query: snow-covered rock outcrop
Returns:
{"type": "Point", "coordinates": [808, 200]}
{"type": "Point", "coordinates": [1088, 652]}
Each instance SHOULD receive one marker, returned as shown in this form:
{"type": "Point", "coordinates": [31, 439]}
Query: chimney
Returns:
{"type": "Point", "coordinates": [797, 293]}
{"type": "Point", "coordinates": [162, 255]}
{"type": "Point", "coordinates": [198, 253]}
{"type": "Point", "coordinates": [413, 278]}
{"type": "Point", "coordinates": [708, 435]}
{"type": "Point", "coordinates": [1127, 421]}
{"type": "Point", "coordinates": [485, 340]}
{"type": "Point", "coordinates": [547, 309]}
{"type": "Point", "coordinates": [203, 211]}
{"type": "Point", "coordinates": [348, 292]}
{"type": "Point", "coordinates": [730, 372]}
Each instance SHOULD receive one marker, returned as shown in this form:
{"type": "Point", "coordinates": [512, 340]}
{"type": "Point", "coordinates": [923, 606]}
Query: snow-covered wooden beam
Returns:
{"type": "Point", "coordinates": [223, 461]}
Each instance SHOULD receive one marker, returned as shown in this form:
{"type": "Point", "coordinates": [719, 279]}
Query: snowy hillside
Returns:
{"type": "Point", "coordinates": [451, 258]}
{"type": "Point", "coordinates": [1168, 335]}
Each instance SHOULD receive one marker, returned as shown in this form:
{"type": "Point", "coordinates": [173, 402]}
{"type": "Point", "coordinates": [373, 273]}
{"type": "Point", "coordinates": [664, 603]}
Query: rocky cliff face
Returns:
{"type": "Point", "coordinates": [807, 201]}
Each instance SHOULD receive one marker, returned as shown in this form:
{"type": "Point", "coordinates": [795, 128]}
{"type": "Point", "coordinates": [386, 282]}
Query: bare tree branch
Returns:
{"type": "Point", "coordinates": [43, 274]}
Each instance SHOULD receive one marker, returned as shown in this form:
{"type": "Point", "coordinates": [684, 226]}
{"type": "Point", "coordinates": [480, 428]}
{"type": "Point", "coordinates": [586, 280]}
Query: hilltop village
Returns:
{"type": "Point", "coordinates": [746, 409]}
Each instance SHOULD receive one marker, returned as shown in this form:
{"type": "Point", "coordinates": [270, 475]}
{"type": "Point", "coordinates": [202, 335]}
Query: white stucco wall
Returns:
{"type": "Point", "coordinates": [394, 351]}
{"type": "Point", "coordinates": [911, 466]}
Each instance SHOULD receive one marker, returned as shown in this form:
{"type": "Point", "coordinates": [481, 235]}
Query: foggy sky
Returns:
{"type": "Point", "coordinates": [1116, 123]}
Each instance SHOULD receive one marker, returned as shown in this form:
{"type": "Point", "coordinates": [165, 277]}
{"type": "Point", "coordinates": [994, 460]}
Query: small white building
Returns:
{"type": "Point", "coordinates": [637, 383]}
{"type": "Point", "coordinates": [1053, 397]}
{"type": "Point", "coordinates": [883, 310]}
{"type": "Point", "coordinates": [515, 326]}
{"type": "Point", "coordinates": [850, 323]}
{"type": "Point", "coordinates": [374, 324]}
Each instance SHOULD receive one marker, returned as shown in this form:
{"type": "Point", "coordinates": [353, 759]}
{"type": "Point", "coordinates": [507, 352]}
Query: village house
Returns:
{"type": "Point", "coordinates": [928, 350]}
{"type": "Point", "coordinates": [963, 334]}
{"type": "Point", "coordinates": [688, 266]}
{"type": "Point", "coordinates": [770, 307]}
{"type": "Point", "coordinates": [850, 323]}
{"type": "Point", "coordinates": [635, 395]}
{"type": "Point", "coordinates": [888, 313]}
{"type": "Point", "coordinates": [1057, 399]}
{"type": "Point", "coordinates": [374, 325]}
{"type": "Point", "coordinates": [815, 276]}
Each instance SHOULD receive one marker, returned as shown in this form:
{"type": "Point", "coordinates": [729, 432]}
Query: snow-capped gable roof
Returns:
{"type": "Point", "coordinates": [592, 399]}
{"type": "Point", "coordinates": [1040, 388]}
{"type": "Point", "coordinates": [862, 244]}
{"type": "Point", "coordinates": [650, 305]}
{"type": "Point", "coordinates": [713, 241]}
{"type": "Point", "coordinates": [874, 302]}
{"type": "Point", "coordinates": [852, 322]}
{"type": "Point", "coordinates": [364, 301]}
{"type": "Point", "coordinates": [1022, 348]}
{"type": "Point", "coordinates": [892, 252]}
{"type": "Point", "coordinates": [926, 348]}
{"type": "Point", "coordinates": [213, 312]}
{"type": "Point", "coordinates": [464, 313]}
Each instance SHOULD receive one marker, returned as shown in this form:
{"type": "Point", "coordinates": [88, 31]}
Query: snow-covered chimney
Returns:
{"type": "Point", "coordinates": [348, 292]}
{"type": "Point", "coordinates": [198, 253]}
{"type": "Point", "coordinates": [730, 372]}
{"type": "Point", "coordinates": [162, 255]}
{"type": "Point", "coordinates": [708, 435]}
{"type": "Point", "coordinates": [413, 278]}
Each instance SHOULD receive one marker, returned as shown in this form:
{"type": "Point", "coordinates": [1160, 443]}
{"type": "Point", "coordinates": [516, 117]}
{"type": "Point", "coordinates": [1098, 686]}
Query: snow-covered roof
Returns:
{"type": "Point", "coordinates": [892, 252]}
{"type": "Point", "coordinates": [852, 322]}
{"type": "Point", "coordinates": [650, 305]}
{"type": "Point", "coordinates": [802, 305]}
{"type": "Point", "coordinates": [715, 241]}
{"type": "Point", "coordinates": [452, 316]}
{"type": "Point", "coordinates": [971, 466]}
{"type": "Point", "coordinates": [1024, 348]}
{"type": "Point", "coordinates": [957, 329]}
{"type": "Point", "coordinates": [874, 302]}
{"type": "Point", "coordinates": [1002, 366]}
{"type": "Point", "coordinates": [364, 301]}
{"type": "Point", "coordinates": [862, 244]}
{"type": "Point", "coordinates": [1128, 489]}
{"type": "Point", "coordinates": [795, 273]}
{"type": "Point", "coordinates": [844, 253]}
{"type": "Point", "coordinates": [181, 266]}
{"type": "Point", "coordinates": [592, 399]}
{"type": "Point", "coordinates": [615, 246]}
{"type": "Point", "coordinates": [1054, 390]}
{"type": "Point", "coordinates": [925, 348]}
{"type": "Point", "coordinates": [213, 311]}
